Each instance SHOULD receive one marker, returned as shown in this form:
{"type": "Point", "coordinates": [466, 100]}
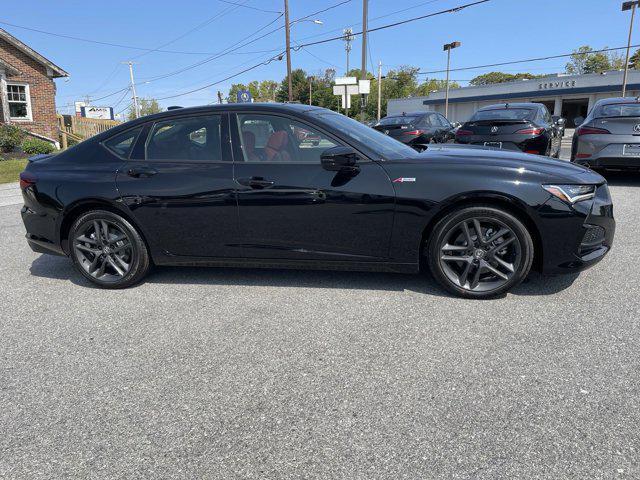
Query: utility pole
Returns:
{"type": "Point", "coordinates": [628, 6]}
{"type": "Point", "coordinates": [288, 41]}
{"type": "Point", "coordinates": [134, 97]}
{"type": "Point", "coordinates": [363, 73]}
{"type": "Point", "coordinates": [379, 88]}
{"type": "Point", "coordinates": [310, 87]}
{"type": "Point", "coordinates": [219, 96]}
{"type": "Point", "coordinates": [348, 38]}
{"type": "Point", "coordinates": [447, 48]}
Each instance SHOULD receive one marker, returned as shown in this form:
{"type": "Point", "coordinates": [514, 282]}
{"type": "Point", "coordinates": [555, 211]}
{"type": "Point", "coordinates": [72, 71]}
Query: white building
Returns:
{"type": "Point", "coordinates": [569, 96]}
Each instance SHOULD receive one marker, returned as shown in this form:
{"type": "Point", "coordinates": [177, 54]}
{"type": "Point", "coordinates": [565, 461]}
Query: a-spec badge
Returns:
{"type": "Point", "coordinates": [404, 179]}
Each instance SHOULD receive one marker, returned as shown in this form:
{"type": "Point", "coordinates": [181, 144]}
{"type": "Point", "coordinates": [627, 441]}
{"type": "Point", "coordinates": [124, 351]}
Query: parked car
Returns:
{"type": "Point", "coordinates": [417, 129]}
{"type": "Point", "coordinates": [233, 185]}
{"type": "Point", "coordinates": [526, 127]}
{"type": "Point", "coordinates": [609, 138]}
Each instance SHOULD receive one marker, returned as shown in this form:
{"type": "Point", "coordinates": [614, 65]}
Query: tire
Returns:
{"type": "Point", "coordinates": [118, 258]}
{"type": "Point", "coordinates": [449, 241]}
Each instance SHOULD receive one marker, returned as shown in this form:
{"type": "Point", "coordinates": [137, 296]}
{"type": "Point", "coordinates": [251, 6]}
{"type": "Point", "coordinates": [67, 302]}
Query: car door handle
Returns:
{"type": "Point", "coordinates": [255, 182]}
{"type": "Point", "coordinates": [138, 172]}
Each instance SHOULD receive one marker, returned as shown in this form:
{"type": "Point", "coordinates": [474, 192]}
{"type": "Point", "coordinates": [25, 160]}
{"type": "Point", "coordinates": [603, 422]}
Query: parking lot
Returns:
{"type": "Point", "coordinates": [242, 373]}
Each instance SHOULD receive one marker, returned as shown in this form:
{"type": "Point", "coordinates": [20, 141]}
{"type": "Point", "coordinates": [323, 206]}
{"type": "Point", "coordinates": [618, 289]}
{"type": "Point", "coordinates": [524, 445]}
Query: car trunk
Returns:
{"type": "Point", "coordinates": [619, 125]}
{"type": "Point", "coordinates": [395, 130]}
{"type": "Point", "coordinates": [497, 127]}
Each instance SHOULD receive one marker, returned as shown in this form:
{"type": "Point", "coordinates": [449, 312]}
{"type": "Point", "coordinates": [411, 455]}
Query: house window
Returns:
{"type": "Point", "coordinates": [19, 102]}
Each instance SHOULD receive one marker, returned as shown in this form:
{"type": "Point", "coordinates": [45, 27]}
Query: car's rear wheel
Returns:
{"type": "Point", "coordinates": [480, 252]}
{"type": "Point", "coordinates": [108, 250]}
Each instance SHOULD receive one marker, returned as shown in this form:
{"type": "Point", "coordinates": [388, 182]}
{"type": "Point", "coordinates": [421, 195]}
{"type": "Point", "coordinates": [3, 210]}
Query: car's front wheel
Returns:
{"type": "Point", "coordinates": [480, 252]}
{"type": "Point", "coordinates": [108, 250]}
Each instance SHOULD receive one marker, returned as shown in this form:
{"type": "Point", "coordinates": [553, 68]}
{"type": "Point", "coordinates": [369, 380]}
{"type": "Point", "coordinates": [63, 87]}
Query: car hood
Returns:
{"type": "Point", "coordinates": [495, 158]}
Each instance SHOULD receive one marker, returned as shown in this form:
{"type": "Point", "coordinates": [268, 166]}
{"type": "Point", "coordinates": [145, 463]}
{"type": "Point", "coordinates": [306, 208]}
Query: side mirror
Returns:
{"type": "Point", "coordinates": [339, 158]}
{"type": "Point", "coordinates": [559, 121]}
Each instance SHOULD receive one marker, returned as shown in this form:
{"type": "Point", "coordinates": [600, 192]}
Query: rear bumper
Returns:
{"type": "Point", "coordinates": [40, 231]}
{"type": "Point", "coordinates": [603, 151]}
{"type": "Point", "coordinates": [612, 163]}
{"type": "Point", "coordinates": [576, 237]}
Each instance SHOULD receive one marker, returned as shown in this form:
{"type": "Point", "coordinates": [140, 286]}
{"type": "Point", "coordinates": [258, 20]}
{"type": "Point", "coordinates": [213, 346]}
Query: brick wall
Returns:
{"type": "Point", "coordinates": [42, 91]}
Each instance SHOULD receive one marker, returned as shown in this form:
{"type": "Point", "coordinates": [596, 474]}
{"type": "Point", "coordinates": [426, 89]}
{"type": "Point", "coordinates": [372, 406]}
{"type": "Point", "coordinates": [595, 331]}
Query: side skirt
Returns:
{"type": "Point", "coordinates": [290, 264]}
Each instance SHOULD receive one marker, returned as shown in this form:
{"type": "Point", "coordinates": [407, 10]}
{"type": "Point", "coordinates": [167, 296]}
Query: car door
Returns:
{"type": "Point", "coordinates": [290, 207]}
{"type": "Point", "coordinates": [179, 186]}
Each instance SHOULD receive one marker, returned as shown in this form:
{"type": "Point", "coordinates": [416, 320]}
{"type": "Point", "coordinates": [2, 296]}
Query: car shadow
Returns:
{"type": "Point", "coordinates": [60, 268]}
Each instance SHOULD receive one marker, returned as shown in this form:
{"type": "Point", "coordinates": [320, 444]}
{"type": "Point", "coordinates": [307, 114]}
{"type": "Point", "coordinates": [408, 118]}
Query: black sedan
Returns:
{"type": "Point", "coordinates": [296, 186]}
{"type": "Point", "coordinates": [417, 129]}
{"type": "Point", "coordinates": [526, 127]}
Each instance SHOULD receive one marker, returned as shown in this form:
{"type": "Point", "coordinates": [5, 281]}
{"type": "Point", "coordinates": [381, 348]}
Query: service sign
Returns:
{"type": "Point", "coordinates": [101, 113]}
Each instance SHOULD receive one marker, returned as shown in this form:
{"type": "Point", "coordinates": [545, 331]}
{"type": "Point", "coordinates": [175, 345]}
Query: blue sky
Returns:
{"type": "Point", "coordinates": [500, 30]}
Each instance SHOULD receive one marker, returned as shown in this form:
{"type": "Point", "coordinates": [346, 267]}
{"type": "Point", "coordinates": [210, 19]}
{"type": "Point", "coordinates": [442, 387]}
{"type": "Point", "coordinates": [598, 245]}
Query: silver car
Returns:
{"type": "Point", "coordinates": [609, 138]}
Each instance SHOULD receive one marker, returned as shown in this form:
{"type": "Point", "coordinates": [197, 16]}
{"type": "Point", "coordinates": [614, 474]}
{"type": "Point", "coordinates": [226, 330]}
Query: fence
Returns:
{"type": "Point", "coordinates": [81, 128]}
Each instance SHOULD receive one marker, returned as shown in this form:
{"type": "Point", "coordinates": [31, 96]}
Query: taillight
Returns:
{"type": "Point", "coordinates": [591, 131]}
{"type": "Point", "coordinates": [27, 179]}
{"type": "Point", "coordinates": [463, 133]}
{"type": "Point", "coordinates": [413, 132]}
{"type": "Point", "coordinates": [583, 155]}
{"type": "Point", "coordinates": [530, 131]}
{"type": "Point", "coordinates": [534, 152]}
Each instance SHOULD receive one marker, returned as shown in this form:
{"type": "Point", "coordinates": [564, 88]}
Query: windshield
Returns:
{"type": "Point", "coordinates": [503, 114]}
{"type": "Point", "coordinates": [372, 139]}
{"type": "Point", "coordinates": [403, 120]}
{"type": "Point", "coordinates": [619, 110]}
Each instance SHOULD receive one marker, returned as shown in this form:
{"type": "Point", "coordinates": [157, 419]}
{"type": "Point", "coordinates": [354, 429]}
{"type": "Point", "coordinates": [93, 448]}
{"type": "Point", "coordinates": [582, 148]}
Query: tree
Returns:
{"type": "Point", "coordinates": [634, 60]}
{"type": "Point", "coordinates": [585, 60]}
{"type": "Point", "coordinates": [147, 106]}
{"type": "Point", "coordinates": [300, 87]}
{"type": "Point", "coordinates": [501, 77]}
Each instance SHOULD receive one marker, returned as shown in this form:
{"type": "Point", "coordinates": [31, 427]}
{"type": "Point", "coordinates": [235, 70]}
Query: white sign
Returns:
{"type": "Point", "coordinates": [364, 87]}
{"type": "Point", "coordinates": [346, 80]}
{"type": "Point", "coordinates": [102, 113]}
{"type": "Point", "coordinates": [350, 89]}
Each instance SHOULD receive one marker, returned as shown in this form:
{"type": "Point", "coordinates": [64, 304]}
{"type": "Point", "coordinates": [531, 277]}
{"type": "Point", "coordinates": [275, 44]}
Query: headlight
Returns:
{"type": "Point", "coordinates": [571, 193]}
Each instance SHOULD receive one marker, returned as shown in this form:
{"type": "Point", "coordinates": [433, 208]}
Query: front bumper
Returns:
{"type": "Point", "coordinates": [576, 237]}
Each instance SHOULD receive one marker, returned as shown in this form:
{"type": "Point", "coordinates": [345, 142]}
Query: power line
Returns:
{"type": "Point", "coordinates": [249, 6]}
{"type": "Point", "coordinates": [210, 20]}
{"type": "Point", "coordinates": [396, 24]}
{"type": "Point", "coordinates": [537, 59]}
{"type": "Point", "coordinates": [266, 62]}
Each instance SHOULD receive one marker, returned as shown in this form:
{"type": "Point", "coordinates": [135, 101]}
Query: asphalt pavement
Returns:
{"type": "Point", "coordinates": [245, 373]}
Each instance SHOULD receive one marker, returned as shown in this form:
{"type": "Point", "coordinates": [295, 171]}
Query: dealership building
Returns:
{"type": "Point", "coordinates": [569, 96]}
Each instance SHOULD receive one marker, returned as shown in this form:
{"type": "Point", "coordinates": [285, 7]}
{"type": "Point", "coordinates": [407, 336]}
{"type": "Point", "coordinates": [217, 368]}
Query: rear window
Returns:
{"type": "Point", "coordinates": [618, 110]}
{"type": "Point", "coordinates": [504, 114]}
{"type": "Point", "coordinates": [397, 120]}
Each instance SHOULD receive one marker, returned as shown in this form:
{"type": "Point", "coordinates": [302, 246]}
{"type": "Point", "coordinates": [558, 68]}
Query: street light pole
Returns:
{"type": "Point", "coordinates": [134, 96]}
{"type": "Point", "coordinates": [448, 47]}
{"type": "Point", "coordinates": [363, 72]}
{"type": "Point", "coordinates": [628, 6]}
{"type": "Point", "coordinates": [288, 42]}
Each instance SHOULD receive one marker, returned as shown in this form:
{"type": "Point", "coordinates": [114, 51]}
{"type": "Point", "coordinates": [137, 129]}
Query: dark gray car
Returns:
{"type": "Point", "coordinates": [609, 138]}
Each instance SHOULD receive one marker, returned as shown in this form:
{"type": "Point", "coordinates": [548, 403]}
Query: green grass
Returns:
{"type": "Point", "coordinates": [10, 169]}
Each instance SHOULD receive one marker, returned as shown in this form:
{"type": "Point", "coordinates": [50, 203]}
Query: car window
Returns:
{"type": "Point", "coordinates": [194, 138]}
{"type": "Point", "coordinates": [271, 138]}
{"type": "Point", "coordinates": [618, 110]}
{"type": "Point", "coordinates": [503, 114]}
{"type": "Point", "coordinates": [122, 144]}
{"type": "Point", "coordinates": [444, 121]}
{"type": "Point", "coordinates": [400, 120]}
{"type": "Point", "coordinates": [435, 120]}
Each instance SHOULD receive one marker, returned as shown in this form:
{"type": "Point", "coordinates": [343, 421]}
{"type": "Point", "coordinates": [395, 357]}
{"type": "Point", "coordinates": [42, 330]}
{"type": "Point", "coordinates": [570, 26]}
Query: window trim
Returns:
{"type": "Point", "coordinates": [27, 92]}
{"type": "Point", "coordinates": [149, 127]}
{"type": "Point", "coordinates": [237, 143]}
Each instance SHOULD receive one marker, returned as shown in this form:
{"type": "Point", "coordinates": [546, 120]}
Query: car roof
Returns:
{"type": "Point", "coordinates": [497, 106]}
{"type": "Point", "coordinates": [409, 114]}
{"type": "Point", "coordinates": [231, 107]}
{"type": "Point", "coordinates": [614, 100]}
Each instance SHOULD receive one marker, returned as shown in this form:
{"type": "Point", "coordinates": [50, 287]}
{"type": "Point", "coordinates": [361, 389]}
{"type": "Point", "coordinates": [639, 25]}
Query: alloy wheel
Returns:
{"type": "Point", "coordinates": [104, 250]}
{"type": "Point", "coordinates": [480, 254]}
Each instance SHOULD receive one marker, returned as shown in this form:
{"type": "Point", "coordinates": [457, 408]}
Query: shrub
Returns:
{"type": "Point", "coordinates": [10, 137]}
{"type": "Point", "coordinates": [33, 146]}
